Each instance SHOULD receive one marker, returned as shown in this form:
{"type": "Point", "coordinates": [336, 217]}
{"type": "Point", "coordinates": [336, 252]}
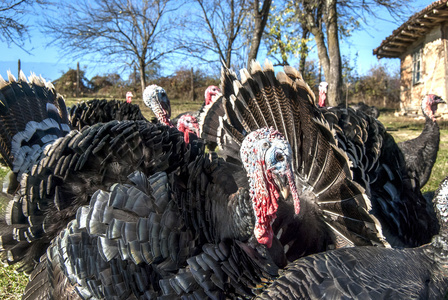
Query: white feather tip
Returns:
{"type": "Point", "coordinates": [11, 77]}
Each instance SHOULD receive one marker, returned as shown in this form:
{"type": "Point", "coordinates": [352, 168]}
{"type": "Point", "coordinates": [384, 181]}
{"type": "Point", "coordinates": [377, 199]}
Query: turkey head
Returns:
{"type": "Point", "coordinates": [129, 96]}
{"type": "Point", "coordinates": [211, 94]}
{"type": "Point", "coordinates": [429, 105]}
{"type": "Point", "coordinates": [156, 98]}
{"type": "Point", "coordinates": [188, 124]}
{"type": "Point", "coordinates": [323, 86]}
{"type": "Point", "coordinates": [267, 158]}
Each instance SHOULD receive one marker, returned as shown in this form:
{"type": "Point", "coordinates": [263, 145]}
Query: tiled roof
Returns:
{"type": "Point", "coordinates": [416, 27]}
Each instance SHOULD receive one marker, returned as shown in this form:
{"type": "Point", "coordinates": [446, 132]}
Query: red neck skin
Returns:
{"type": "Point", "coordinates": [186, 132]}
{"type": "Point", "coordinates": [322, 98]}
{"type": "Point", "coordinates": [165, 120]}
{"type": "Point", "coordinates": [265, 205]}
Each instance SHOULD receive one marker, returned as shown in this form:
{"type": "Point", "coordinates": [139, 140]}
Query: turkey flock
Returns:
{"type": "Point", "coordinates": [293, 201]}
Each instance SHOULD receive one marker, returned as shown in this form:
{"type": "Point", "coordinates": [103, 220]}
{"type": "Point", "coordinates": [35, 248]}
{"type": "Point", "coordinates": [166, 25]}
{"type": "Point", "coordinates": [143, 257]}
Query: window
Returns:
{"type": "Point", "coordinates": [417, 66]}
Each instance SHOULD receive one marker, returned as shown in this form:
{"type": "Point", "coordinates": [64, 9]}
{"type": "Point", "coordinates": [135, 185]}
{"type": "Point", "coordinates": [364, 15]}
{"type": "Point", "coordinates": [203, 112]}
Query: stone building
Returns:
{"type": "Point", "coordinates": [422, 47]}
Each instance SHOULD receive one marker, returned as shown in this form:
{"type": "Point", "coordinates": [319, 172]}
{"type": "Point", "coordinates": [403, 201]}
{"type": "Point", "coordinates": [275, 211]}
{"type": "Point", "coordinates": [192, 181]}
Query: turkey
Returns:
{"type": "Point", "coordinates": [135, 236]}
{"type": "Point", "coordinates": [420, 153]}
{"type": "Point", "coordinates": [129, 96]}
{"type": "Point", "coordinates": [212, 93]}
{"type": "Point", "coordinates": [102, 111]}
{"type": "Point", "coordinates": [188, 125]}
{"type": "Point", "coordinates": [58, 169]}
{"type": "Point", "coordinates": [323, 87]}
{"type": "Point", "coordinates": [155, 97]}
{"type": "Point", "coordinates": [157, 100]}
{"type": "Point", "coordinates": [379, 166]}
{"type": "Point", "coordinates": [372, 272]}
{"type": "Point", "coordinates": [376, 163]}
{"type": "Point", "coordinates": [368, 110]}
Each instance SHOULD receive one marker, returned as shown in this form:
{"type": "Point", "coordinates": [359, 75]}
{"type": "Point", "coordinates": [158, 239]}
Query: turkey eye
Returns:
{"type": "Point", "coordinates": [265, 145]}
{"type": "Point", "coordinates": [279, 157]}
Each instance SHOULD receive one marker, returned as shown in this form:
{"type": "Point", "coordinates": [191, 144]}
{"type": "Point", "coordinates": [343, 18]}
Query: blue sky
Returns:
{"type": "Point", "coordinates": [46, 61]}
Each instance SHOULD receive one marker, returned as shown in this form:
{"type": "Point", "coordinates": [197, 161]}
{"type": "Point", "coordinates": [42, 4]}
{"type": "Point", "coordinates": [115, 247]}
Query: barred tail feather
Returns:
{"type": "Point", "coordinates": [31, 115]}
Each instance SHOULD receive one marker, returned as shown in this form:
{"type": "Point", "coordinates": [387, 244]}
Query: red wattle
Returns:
{"type": "Point", "coordinates": [265, 198]}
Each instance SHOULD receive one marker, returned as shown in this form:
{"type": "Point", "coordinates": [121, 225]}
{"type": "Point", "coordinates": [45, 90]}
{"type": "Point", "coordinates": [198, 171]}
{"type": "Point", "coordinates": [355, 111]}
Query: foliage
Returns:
{"type": "Point", "coordinates": [100, 82]}
{"type": "Point", "coordinates": [378, 87]}
{"type": "Point", "coordinates": [178, 86]}
{"type": "Point", "coordinates": [66, 84]}
{"type": "Point", "coordinates": [284, 34]}
{"type": "Point", "coordinates": [12, 283]}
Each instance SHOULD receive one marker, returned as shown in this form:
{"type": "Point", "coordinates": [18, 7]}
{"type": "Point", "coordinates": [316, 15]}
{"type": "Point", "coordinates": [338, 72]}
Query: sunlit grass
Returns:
{"type": "Point", "coordinates": [404, 128]}
{"type": "Point", "coordinates": [12, 283]}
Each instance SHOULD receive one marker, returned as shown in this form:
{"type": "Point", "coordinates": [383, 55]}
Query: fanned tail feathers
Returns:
{"type": "Point", "coordinates": [286, 103]}
{"type": "Point", "coordinates": [101, 111]}
{"type": "Point", "coordinates": [31, 115]}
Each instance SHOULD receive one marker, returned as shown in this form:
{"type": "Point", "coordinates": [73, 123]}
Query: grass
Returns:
{"type": "Point", "coordinates": [404, 128]}
{"type": "Point", "coordinates": [12, 283]}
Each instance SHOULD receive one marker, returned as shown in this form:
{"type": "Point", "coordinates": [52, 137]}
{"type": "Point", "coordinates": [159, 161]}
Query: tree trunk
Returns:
{"type": "Point", "coordinates": [304, 50]}
{"type": "Point", "coordinates": [78, 81]}
{"type": "Point", "coordinates": [322, 52]}
{"type": "Point", "coordinates": [329, 58]}
{"type": "Point", "coordinates": [334, 77]}
{"type": "Point", "coordinates": [260, 20]}
{"type": "Point", "coordinates": [193, 98]}
{"type": "Point", "coordinates": [142, 76]}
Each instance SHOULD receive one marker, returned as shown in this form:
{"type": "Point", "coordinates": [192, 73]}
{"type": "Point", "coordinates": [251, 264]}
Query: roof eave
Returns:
{"type": "Point", "coordinates": [409, 32]}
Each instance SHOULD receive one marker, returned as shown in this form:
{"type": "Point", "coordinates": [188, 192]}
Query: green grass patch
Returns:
{"type": "Point", "coordinates": [12, 283]}
{"type": "Point", "coordinates": [405, 128]}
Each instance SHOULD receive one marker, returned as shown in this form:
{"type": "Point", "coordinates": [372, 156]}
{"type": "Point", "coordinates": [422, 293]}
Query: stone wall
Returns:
{"type": "Point", "coordinates": [434, 73]}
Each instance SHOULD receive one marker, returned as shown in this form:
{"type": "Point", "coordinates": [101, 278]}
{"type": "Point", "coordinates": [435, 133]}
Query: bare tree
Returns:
{"type": "Point", "coordinates": [260, 17]}
{"type": "Point", "coordinates": [119, 31]}
{"type": "Point", "coordinates": [13, 28]}
{"type": "Point", "coordinates": [228, 31]}
{"type": "Point", "coordinates": [215, 32]}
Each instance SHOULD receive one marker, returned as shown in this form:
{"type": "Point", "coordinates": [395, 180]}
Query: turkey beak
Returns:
{"type": "Point", "coordinates": [283, 186]}
{"type": "Point", "coordinates": [165, 103]}
{"type": "Point", "coordinates": [285, 191]}
{"type": "Point", "coordinates": [287, 186]}
{"type": "Point", "coordinates": [196, 130]}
